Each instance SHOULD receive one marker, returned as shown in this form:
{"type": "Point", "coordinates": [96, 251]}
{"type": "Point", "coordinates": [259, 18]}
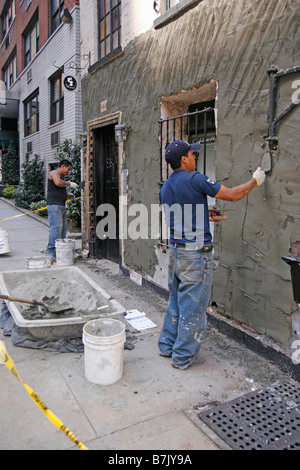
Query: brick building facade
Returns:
{"type": "Point", "coordinates": [39, 47]}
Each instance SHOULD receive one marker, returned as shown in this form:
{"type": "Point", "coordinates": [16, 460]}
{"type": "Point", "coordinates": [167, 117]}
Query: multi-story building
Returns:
{"type": "Point", "coordinates": [221, 71]}
{"type": "Point", "coordinates": [40, 93]}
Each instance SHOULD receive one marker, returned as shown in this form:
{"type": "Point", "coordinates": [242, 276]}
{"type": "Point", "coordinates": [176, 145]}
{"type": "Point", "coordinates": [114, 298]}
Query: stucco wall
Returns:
{"type": "Point", "coordinates": [233, 43]}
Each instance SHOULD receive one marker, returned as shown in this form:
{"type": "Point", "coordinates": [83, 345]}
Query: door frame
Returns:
{"type": "Point", "coordinates": [114, 118]}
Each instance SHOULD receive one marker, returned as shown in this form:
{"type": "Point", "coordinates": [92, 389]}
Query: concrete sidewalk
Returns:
{"type": "Point", "coordinates": [152, 407]}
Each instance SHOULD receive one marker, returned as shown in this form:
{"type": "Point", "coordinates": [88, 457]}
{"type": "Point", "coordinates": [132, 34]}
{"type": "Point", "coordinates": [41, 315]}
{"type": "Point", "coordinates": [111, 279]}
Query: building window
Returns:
{"type": "Point", "coordinates": [109, 26]}
{"type": "Point", "coordinates": [171, 3]}
{"type": "Point", "coordinates": [202, 123]}
{"type": "Point", "coordinates": [57, 7]}
{"type": "Point", "coordinates": [192, 126]}
{"type": "Point", "coordinates": [7, 17]}
{"type": "Point", "coordinates": [57, 99]}
{"type": "Point", "coordinates": [31, 40]}
{"type": "Point", "coordinates": [169, 9]}
{"type": "Point", "coordinates": [9, 71]}
{"type": "Point", "coordinates": [31, 114]}
{"type": "Point", "coordinates": [26, 3]}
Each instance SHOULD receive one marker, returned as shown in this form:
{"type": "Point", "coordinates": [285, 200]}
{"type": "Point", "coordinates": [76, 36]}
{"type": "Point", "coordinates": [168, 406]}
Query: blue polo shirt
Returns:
{"type": "Point", "coordinates": [184, 200]}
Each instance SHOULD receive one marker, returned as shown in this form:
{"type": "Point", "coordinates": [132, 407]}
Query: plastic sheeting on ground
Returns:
{"type": "Point", "coordinates": [22, 337]}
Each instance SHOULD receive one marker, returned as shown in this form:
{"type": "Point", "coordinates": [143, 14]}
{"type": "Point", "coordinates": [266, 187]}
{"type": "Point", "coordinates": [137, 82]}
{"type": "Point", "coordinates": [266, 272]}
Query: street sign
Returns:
{"type": "Point", "coordinates": [70, 83]}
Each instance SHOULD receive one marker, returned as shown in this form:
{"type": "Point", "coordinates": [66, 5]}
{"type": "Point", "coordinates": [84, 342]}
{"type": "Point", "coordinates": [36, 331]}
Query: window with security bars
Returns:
{"type": "Point", "coordinates": [198, 124]}
{"type": "Point", "coordinates": [109, 12]}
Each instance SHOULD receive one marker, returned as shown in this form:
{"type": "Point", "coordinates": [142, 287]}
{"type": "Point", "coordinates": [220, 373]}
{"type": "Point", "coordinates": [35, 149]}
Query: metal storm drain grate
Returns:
{"type": "Point", "coordinates": [267, 419]}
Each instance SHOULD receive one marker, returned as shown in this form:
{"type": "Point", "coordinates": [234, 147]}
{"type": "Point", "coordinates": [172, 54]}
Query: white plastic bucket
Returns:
{"type": "Point", "coordinates": [4, 245]}
{"type": "Point", "coordinates": [103, 350]}
{"type": "Point", "coordinates": [64, 249]}
{"type": "Point", "coordinates": [38, 262]}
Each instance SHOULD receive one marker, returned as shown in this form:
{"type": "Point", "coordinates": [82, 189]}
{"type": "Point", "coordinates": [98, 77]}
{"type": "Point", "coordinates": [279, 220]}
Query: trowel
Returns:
{"type": "Point", "coordinates": [51, 309]}
{"type": "Point", "coordinates": [266, 163]}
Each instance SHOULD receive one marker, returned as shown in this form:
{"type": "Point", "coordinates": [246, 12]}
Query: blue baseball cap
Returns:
{"type": "Point", "coordinates": [179, 148]}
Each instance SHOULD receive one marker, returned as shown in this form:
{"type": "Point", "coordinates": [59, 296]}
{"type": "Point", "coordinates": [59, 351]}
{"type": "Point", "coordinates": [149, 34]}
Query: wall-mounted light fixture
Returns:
{"type": "Point", "coordinates": [66, 16]}
{"type": "Point", "coordinates": [121, 132]}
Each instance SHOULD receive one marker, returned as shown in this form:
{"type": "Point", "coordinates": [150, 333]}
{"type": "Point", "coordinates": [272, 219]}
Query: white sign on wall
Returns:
{"type": "Point", "coordinates": [70, 83]}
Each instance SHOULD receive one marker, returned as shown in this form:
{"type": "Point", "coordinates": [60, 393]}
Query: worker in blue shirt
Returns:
{"type": "Point", "coordinates": [184, 200]}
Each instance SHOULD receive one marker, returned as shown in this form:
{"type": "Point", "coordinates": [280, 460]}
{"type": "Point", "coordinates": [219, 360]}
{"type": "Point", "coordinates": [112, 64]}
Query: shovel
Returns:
{"type": "Point", "coordinates": [51, 309]}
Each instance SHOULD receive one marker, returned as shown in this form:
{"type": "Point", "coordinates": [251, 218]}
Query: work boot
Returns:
{"type": "Point", "coordinates": [196, 361]}
{"type": "Point", "coordinates": [52, 256]}
{"type": "Point", "coordinates": [165, 354]}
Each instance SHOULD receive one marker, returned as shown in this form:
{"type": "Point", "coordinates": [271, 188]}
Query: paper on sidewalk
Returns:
{"type": "Point", "coordinates": [138, 320]}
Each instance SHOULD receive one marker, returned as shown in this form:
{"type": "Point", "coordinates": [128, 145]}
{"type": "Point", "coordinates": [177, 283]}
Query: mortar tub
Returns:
{"type": "Point", "coordinates": [67, 285]}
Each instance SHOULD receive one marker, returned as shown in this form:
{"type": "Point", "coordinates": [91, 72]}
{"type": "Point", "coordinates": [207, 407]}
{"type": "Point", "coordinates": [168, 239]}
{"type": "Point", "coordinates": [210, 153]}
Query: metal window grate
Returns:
{"type": "Point", "coordinates": [267, 419]}
{"type": "Point", "coordinates": [191, 126]}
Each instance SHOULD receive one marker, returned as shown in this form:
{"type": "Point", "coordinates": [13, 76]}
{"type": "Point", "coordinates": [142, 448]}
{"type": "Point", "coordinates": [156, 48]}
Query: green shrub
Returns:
{"type": "Point", "coordinates": [9, 192]}
{"type": "Point", "coordinates": [32, 189]}
{"type": "Point", "coordinates": [72, 152]}
{"type": "Point", "coordinates": [74, 213]}
{"type": "Point", "coordinates": [10, 165]}
{"type": "Point", "coordinates": [34, 206]}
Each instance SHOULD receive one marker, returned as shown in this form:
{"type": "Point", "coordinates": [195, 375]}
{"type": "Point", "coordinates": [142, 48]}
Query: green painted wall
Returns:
{"type": "Point", "coordinates": [234, 43]}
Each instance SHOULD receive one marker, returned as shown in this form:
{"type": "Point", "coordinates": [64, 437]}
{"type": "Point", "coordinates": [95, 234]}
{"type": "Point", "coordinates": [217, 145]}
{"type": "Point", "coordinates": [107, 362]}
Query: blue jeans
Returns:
{"type": "Point", "coordinates": [190, 278]}
{"type": "Point", "coordinates": [57, 217]}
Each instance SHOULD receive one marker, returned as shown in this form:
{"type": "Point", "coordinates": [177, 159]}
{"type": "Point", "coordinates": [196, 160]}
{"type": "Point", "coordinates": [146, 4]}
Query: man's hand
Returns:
{"type": "Point", "coordinates": [73, 185]}
{"type": "Point", "coordinates": [259, 175]}
{"type": "Point", "coordinates": [216, 216]}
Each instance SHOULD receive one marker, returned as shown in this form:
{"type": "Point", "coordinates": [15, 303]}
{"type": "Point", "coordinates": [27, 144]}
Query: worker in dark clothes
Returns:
{"type": "Point", "coordinates": [56, 200]}
{"type": "Point", "coordinates": [184, 199]}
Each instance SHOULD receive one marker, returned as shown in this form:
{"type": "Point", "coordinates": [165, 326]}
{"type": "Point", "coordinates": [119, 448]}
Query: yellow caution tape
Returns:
{"type": "Point", "coordinates": [8, 362]}
{"type": "Point", "coordinates": [36, 210]}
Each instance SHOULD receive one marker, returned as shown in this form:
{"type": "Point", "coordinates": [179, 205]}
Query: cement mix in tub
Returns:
{"type": "Point", "coordinates": [57, 287]}
{"type": "Point", "coordinates": [56, 291]}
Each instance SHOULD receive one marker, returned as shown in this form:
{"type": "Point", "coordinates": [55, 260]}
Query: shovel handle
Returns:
{"type": "Point", "coordinates": [17, 299]}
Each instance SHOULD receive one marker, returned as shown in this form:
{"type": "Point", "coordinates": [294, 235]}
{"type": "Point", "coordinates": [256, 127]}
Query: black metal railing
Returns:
{"type": "Point", "coordinates": [192, 127]}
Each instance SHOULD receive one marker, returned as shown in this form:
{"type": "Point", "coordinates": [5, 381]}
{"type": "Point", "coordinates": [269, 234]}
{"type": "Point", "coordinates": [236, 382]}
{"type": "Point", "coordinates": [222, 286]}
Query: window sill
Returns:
{"type": "Point", "coordinates": [55, 124]}
{"type": "Point", "coordinates": [113, 55]}
{"type": "Point", "coordinates": [29, 136]}
{"type": "Point", "coordinates": [175, 11]}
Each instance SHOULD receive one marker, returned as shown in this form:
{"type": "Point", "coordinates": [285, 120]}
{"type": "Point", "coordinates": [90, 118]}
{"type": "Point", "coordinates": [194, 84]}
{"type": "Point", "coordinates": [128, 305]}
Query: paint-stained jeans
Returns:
{"type": "Point", "coordinates": [190, 278]}
{"type": "Point", "coordinates": [57, 216]}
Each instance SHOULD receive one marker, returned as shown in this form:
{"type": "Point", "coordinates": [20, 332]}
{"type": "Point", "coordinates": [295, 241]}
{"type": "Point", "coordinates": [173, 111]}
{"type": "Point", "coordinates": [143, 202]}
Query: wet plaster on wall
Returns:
{"type": "Point", "coordinates": [235, 45]}
{"type": "Point", "coordinates": [268, 225]}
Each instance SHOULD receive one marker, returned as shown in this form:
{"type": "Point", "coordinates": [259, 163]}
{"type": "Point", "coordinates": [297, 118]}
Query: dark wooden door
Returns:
{"type": "Point", "coordinates": [106, 193]}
